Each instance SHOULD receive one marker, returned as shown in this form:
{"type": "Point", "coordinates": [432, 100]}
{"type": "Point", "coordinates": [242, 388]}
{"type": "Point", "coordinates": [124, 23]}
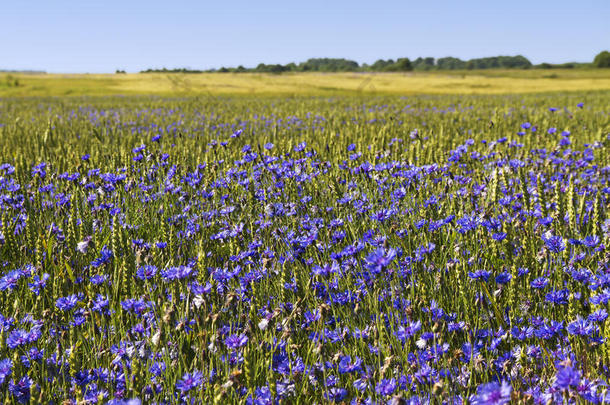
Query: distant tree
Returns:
{"type": "Point", "coordinates": [119, 71]}
{"type": "Point", "coordinates": [401, 65]}
{"type": "Point", "coordinates": [389, 65]}
{"type": "Point", "coordinates": [497, 62]}
{"type": "Point", "coordinates": [423, 63]}
{"type": "Point", "coordinates": [450, 63]}
{"type": "Point", "coordinates": [328, 65]}
{"type": "Point", "coordinates": [518, 61]}
{"type": "Point", "coordinates": [277, 68]}
{"type": "Point", "coordinates": [602, 60]}
{"type": "Point", "coordinates": [381, 65]}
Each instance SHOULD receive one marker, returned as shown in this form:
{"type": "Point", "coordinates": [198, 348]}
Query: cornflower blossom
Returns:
{"type": "Point", "coordinates": [190, 381]}
{"type": "Point", "coordinates": [493, 393]}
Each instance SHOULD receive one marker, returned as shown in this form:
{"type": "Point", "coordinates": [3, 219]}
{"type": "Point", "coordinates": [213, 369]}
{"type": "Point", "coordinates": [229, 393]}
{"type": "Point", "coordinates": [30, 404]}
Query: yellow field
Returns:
{"type": "Point", "coordinates": [455, 82]}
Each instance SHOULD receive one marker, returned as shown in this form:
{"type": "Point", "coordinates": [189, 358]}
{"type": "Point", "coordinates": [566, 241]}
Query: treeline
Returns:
{"type": "Point", "coordinates": [398, 65]}
{"type": "Point", "coordinates": [389, 65]}
{"type": "Point", "coordinates": [451, 63]}
{"type": "Point", "coordinates": [164, 70]}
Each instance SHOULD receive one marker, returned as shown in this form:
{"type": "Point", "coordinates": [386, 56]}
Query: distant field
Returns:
{"type": "Point", "coordinates": [454, 82]}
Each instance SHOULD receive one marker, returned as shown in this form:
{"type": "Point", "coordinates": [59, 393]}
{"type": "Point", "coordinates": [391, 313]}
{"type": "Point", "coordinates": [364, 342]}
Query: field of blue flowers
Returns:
{"type": "Point", "coordinates": [305, 250]}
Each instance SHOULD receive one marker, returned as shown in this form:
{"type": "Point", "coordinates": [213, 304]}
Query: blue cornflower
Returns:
{"type": "Point", "coordinates": [310, 317]}
{"type": "Point", "coordinates": [539, 282]}
{"type": "Point", "coordinates": [545, 221]}
{"type": "Point", "coordinates": [100, 303]}
{"type": "Point", "coordinates": [262, 396]}
{"type": "Point", "coordinates": [67, 303]}
{"type": "Point", "coordinates": [34, 354]}
{"type": "Point", "coordinates": [98, 279]}
{"type": "Point", "coordinates": [598, 316]}
{"type": "Point", "coordinates": [379, 259]}
{"type": "Point", "coordinates": [403, 333]}
{"type": "Point", "coordinates": [190, 381]}
{"type": "Point", "coordinates": [580, 105]}
{"type": "Point", "coordinates": [382, 215]}
{"type": "Point", "coordinates": [39, 170]}
{"type": "Point", "coordinates": [347, 366]}
{"type": "Point", "coordinates": [499, 236]}
{"type": "Point", "coordinates": [300, 147]}
{"type": "Point", "coordinates": [551, 131]}
{"type": "Point", "coordinates": [9, 280]}
{"type": "Point", "coordinates": [559, 297]}
{"type": "Point", "coordinates": [361, 384]}
{"type": "Point", "coordinates": [85, 157]}
{"type": "Point", "coordinates": [158, 368]}
{"type": "Point", "coordinates": [555, 244]}
{"type": "Point", "coordinates": [480, 275]}
{"type": "Point", "coordinates": [591, 241]}
{"type": "Point", "coordinates": [17, 338]}
{"type": "Point", "coordinates": [566, 377]}
{"type": "Point", "coordinates": [177, 273]}
{"type": "Point", "coordinates": [115, 401]}
{"type": "Point", "coordinates": [236, 341]}
{"type": "Point", "coordinates": [138, 149]}
{"type": "Point", "coordinates": [503, 278]}
{"type": "Point", "coordinates": [136, 306]}
{"type": "Point", "coordinates": [146, 272]}
{"type": "Point", "coordinates": [105, 256]}
{"type": "Point", "coordinates": [21, 389]}
{"type": "Point", "coordinates": [386, 387]}
{"type": "Point", "coordinates": [581, 327]}
{"type": "Point", "coordinates": [326, 269]}
{"type": "Point", "coordinates": [269, 146]}
{"type": "Point", "coordinates": [493, 393]}
{"type": "Point", "coordinates": [6, 367]}
{"type": "Point", "coordinates": [335, 394]}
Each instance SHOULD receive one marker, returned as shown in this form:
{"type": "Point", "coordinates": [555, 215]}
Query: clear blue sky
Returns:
{"type": "Point", "coordinates": [101, 36]}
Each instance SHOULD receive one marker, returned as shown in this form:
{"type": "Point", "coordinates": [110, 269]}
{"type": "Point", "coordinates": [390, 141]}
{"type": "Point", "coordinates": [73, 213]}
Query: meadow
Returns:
{"type": "Point", "coordinates": [352, 247]}
{"type": "Point", "coordinates": [491, 81]}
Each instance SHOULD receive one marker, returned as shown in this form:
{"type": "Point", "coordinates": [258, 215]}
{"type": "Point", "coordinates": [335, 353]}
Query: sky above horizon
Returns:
{"type": "Point", "coordinates": [99, 37]}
